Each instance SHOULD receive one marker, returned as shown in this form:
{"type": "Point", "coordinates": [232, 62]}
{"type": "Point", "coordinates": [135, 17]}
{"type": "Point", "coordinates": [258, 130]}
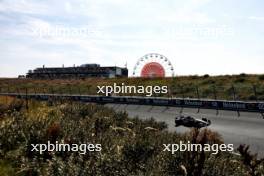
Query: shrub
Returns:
{"type": "Point", "coordinates": [251, 161]}
{"type": "Point", "coordinates": [194, 77]}
{"type": "Point", "coordinates": [208, 81]}
{"type": "Point", "coordinates": [242, 74]}
{"type": "Point", "coordinates": [136, 150]}
{"type": "Point", "coordinates": [3, 109]}
{"type": "Point", "coordinates": [261, 77]}
{"type": "Point", "coordinates": [15, 105]}
{"type": "Point", "coordinates": [206, 76]}
{"type": "Point", "coordinates": [240, 80]}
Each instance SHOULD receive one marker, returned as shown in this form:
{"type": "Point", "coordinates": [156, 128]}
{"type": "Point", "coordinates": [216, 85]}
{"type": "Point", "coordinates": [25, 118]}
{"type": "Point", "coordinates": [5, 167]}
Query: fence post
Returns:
{"type": "Point", "coordinates": [70, 91]}
{"type": "Point", "coordinates": [169, 99]}
{"type": "Point", "coordinates": [60, 93]}
{"type": "Point", "coordinates": [79, 90]}
{"type": "Point", "coordinates": [6, 100]}
{"type": "Point", "coordinates": [235, 99]}
{"type": "Point", "coordinates": [256, 95]}
{"type": "Point", "coordinates": [183, 97]}
{"type": "Point", "coordinates": [6, 97]}
{"type": "Point", "coordinates": [215, 97]}
{"type": "Point", "coordinates": [255, 92]}
{"type": "Point", "coordinates": [198, 96]}
{"type": "Point", "coordinates": [51, 94]}
{"type": "Point", "coordinates": [70, 97]}
{"type": "Point", "coordinates": [182, 92]}
{"type": "Point", "coordinates": [27, 99]}
{"type": "Point", "coordinates": [88, 93]}
{"type": "Point", "coordinates": [52, 90]}
{"type": "Point", "coordinates": [234, 93]}
{"type": "Point", "coordinates": [8, 89]}
{"type": "Point", "coordinates": [17, 90]}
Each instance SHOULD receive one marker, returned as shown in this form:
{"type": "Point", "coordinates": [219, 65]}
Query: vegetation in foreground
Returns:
{"type": "Point", "coordinates": [247, 87]}
{"type": "Point", "coordinates": [130, 146]}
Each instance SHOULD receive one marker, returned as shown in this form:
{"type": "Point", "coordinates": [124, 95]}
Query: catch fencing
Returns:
{"type": "Point", "coordinates": [245, 106]}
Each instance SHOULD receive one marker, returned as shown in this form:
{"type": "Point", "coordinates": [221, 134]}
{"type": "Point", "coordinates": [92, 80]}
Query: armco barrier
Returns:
{"type": "Point", "coordinates": [153, 101]}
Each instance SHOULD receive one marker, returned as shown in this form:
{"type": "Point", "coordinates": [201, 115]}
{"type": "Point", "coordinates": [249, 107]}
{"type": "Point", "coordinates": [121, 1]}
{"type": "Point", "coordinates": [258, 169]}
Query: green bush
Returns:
{"type": "Point", "coordinates": [15, 105]}
{"type": "Point", "coordinates": [131, 146]}
{"type": "Point", "coordinates": [242, 74]}
{"type": "Point", "coordinates": [261, 77]}
{"type": "Point", "coordinates": [206, 76]}
{"type": "Point", "coordinates": [240, 80]}
{"type": "Point", "coordinates": [89, 86]}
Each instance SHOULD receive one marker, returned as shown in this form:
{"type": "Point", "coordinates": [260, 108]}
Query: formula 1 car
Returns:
{"type": "Point", "coordinates": [191, 122]}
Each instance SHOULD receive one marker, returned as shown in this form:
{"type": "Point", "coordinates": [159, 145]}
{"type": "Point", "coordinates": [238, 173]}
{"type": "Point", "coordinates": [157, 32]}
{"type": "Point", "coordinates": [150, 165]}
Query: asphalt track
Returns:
{"type": "Point", "coordinates": [247, 129]}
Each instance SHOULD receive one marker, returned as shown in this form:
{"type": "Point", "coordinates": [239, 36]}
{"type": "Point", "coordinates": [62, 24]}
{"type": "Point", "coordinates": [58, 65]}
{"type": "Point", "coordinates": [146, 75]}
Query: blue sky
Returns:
{"type": "Point", "coordinates": [198, 36]}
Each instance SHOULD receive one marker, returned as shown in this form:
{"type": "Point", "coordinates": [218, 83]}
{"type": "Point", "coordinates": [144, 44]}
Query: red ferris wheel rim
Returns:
{"type": "Point", "coordinates": [153, 57]}
{"type": "Point", "coordinates": [153, 69]}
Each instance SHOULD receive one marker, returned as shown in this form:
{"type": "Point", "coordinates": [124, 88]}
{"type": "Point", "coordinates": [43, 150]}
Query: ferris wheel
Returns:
{"type": "Point", "coordinates": [153, 65]}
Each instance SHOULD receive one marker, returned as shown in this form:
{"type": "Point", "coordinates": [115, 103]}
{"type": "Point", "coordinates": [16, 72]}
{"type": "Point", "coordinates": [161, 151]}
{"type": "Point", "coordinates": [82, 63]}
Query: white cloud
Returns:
{"type": "Point", "coordinates": [123, 32]}
{"type": "Point", "coordinates": [23, 6]}
{"type": "Point", "coordinates": [258, 18]}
